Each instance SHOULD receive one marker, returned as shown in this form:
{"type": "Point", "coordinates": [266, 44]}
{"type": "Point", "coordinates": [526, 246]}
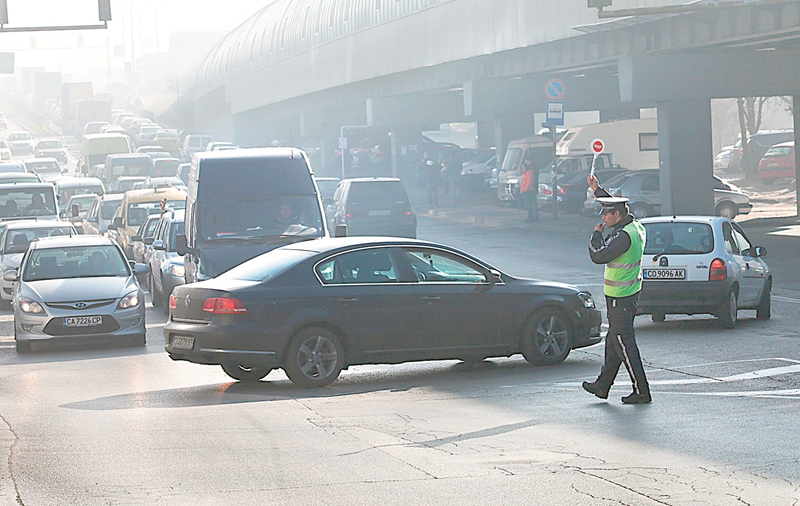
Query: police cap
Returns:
{"type": "Point", "coordinates": [611, 204]}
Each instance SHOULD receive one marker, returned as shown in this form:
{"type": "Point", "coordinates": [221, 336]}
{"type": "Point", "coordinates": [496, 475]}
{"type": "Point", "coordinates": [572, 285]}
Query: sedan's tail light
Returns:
{"type": "Point", "coordinates": [224, 305]}
{"type": "Point", "coordinates": [173, 303]}
{"type": "Point", "coordinates": [718, 271]}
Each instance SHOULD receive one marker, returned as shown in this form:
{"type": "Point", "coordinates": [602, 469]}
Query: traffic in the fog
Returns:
{"type": "Point", "coordinates": [409, 252]}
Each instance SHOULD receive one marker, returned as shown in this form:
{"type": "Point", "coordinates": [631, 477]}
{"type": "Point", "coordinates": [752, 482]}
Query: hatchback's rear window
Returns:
{"type": "Point", "coordinates": [380, 193]}
{"type": "Point", "coordinates": [678, 238]}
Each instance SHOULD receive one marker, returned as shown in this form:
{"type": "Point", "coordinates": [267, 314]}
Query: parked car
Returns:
{"type": "Point", "coordinates": [703, 265]}
{"type": "Point", "coordinates": [572, 189]}
{"type": "Point", "coordinates": [47, 168]}
{"type": "Point", "coordinates": [317, 307]}
{"type": "Point", "coordinates": [73, 288]}
{"type": "Point", "coordinates": [166, 265]}
{"type": "Point", "coordinates": [51, 148]}
{"type": "Point", "coordinates": [723, 159]}
{"type": "Point", "coordinates": [14, 241]}
{"type": "Point", "coordinates": [643, 188]}
{"type": "Point", "coordinates": [757, 144]}
{"type": "Point", "coordinates": [480, 166]}
{"type": "Point", "coordinates": [372, 206]}
{"type": "Point", "coordinates": [778, 163]}
{"type": "Point", "coordinates": [20, 143]}
{"type": "Point", "coordinates": [5, 151]}
{"type": "Point", "coordinates": [101, 213]}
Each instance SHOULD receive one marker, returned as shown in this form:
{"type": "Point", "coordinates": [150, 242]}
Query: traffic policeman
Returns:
{"type": "Point", "coordinates": [621, 252]}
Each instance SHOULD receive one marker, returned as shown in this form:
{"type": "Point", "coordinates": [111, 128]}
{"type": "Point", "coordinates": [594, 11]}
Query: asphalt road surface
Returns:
{"type": "Point", "coordinates": [105, 424]}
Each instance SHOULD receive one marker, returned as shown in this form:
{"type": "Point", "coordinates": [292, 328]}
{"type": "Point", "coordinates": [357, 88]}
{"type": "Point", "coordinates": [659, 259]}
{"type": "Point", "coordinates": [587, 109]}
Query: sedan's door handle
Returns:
{"type": "Point", "coordinates": [346, 300]}
{"type": "Point", "coordinates": [431, 298]}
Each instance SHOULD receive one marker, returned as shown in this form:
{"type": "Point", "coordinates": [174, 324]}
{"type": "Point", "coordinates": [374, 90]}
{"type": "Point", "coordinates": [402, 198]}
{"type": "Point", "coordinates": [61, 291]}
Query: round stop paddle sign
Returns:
{"type": "Point", "coordinates": [598, 146]}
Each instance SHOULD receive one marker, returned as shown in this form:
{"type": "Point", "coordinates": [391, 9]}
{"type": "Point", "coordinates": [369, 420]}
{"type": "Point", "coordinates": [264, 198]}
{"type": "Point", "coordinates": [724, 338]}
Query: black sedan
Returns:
{"type": "Point", "coordinates": [317, 307]}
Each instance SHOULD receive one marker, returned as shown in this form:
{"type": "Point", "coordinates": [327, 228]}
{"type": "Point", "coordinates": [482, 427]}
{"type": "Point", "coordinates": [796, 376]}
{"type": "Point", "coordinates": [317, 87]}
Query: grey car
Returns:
{"type": "Point", "coordinates": [643, 188]}
{"type": "Point", "coordinates": [74, 289]}
{"type": "Point", "coordinates": [100, 214]}
{"type": "Point", "coordinates": [166, 265]}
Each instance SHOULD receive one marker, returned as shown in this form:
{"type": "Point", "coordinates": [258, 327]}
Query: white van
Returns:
{"type": "Point", "coordinates": [630, 143]}
{"type": "Point", "coordinates": [538, 147]}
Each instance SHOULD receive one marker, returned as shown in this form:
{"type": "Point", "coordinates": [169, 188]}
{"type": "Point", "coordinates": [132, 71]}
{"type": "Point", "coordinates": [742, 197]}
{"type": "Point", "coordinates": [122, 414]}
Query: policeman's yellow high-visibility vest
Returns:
{"type": "Point", "coordinates": [623, 275]}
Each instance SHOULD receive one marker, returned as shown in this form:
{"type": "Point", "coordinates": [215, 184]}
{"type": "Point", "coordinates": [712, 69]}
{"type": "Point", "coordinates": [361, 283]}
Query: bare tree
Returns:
{"type": "Point", "coordinates": [751, 113]}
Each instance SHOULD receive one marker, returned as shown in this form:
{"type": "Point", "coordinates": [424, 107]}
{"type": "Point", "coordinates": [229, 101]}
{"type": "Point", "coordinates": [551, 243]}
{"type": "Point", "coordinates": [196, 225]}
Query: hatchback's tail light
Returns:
{"type": "Point", "coordinates": [224, 305]}
{"type": "Point", "coordinates": [718, 271]}
{"type": "Point", "coordinates": [173, 303]}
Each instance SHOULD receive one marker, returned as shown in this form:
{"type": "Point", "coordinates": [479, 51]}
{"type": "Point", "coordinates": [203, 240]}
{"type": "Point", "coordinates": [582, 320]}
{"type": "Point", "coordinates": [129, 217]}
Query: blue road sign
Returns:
{"type": "Point", "coordinates": [554, 89]}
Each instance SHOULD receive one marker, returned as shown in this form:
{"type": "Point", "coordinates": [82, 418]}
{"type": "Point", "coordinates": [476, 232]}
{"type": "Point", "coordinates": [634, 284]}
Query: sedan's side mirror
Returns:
{"type": "Point", "coordinates": [159, 245]}
{"type": "Point", "coordinates": [76, 210]}
{"type": "Point", "coordinates": [495, 276]}
{"type": "Point", "coordinates": [148, 241]}
{"type": "Point", "coordinates": [92, 219]}
{"type": "Point", "coordinates": [64, 170]}
{"type": "Point", "coordinates": [760, 251]}
{"type": "Point", "coordinates": [11, 276]}
{"type": "Point", "coordinates": [182, 245]}
{"type": "Point", "coordinates": [340, 231]}
{"type": "Point", "coordinates": [136, 238]}
{"type": "Point", "coordinates": [140, 269]}
{"type": "Point", "coordinates": [117, 222]}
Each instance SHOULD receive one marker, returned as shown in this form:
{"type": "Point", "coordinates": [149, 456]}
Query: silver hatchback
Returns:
{"type": "Point", "coordinates": [73, 289]}
{"type": "Point", "coordinates": [703, 265]}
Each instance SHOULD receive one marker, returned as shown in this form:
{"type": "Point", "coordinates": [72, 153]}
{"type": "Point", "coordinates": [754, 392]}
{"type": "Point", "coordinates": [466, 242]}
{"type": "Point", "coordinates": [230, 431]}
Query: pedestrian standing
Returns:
{"type": "Point", "coordinates": [452, 179]}
{"type": "Point", "coordinates": [528, 191]}
{"type": "Point", "coordinates": [430, 172]}
{"type": "Point", "coordinates": [621, 252]}
{"type": "Point", "coordinates": [422, 168]}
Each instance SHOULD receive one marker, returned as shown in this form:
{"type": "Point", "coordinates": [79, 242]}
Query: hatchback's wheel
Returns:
{"type": "Point", "coordinates": [726, 210]}
{"type": "Point", "coordinates": [139, 340]}
{"type": "Point", "coordinates": [764, 308]}
{"type": "Point", "coordinates": [154, 294]}
{"type": "Point", "coordinates": [728, 312]}
{"type": "Point", "coordinates": [546, 337]}
{"type": "Point", "coordinates": [314, 358]}
{"type": "Point", "coordinates": [23, 347]}
{"type": "Point", "coordinates": [640, 211]}
{"type": "Point", "coordinates": [658, 317]}
{"type": "Point", "coordinates": [246, 373]}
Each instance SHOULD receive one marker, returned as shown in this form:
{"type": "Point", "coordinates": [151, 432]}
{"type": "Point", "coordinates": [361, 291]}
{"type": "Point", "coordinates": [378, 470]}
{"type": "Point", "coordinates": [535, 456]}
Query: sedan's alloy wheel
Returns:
{"type": "Point", "coordinates": [315, 358]}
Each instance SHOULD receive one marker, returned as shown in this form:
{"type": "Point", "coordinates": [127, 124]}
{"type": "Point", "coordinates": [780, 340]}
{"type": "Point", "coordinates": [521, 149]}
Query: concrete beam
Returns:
{"type": "Point", "coordinates": [696, 76]}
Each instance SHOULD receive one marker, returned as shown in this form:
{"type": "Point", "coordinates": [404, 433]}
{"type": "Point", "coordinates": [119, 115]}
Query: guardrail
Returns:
{"type": "Point", "coordinates": [29, 119]}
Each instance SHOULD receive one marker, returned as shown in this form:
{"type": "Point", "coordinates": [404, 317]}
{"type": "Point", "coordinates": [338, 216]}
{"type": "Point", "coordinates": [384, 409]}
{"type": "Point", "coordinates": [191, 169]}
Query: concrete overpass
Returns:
{"type": "Point", "coordinates": [310, 66]}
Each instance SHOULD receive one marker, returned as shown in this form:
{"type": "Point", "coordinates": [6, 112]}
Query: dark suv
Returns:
{"type": "Point", "coordinates": [372, 206]}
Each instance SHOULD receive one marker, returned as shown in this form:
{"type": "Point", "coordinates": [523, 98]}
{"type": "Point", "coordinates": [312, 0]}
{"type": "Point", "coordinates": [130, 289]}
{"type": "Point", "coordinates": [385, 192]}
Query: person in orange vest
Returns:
{"type": "Point", "coordinates": [528, 190]}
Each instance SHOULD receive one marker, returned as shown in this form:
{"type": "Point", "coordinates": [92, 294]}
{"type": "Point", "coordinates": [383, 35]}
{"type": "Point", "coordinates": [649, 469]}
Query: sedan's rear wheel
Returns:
{"type": "Point", "coordinates": [640, 211]}
{"type": "Point", "coordinates": [728, 312]}
{"type": "Point", "coordinates": [314, 358]}
{"type": "Point", "coordinates": [658, 317]}
{"type": "Point", "coordinates": [726, 210]}
{"type": "Point", "coordinates": [246, 373]}
{"type": "Point", "coordinates": [546, 338]}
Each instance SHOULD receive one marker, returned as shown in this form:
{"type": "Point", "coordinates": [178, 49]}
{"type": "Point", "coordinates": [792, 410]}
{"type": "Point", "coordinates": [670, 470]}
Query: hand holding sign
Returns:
{"type": "Point", "coordinates": [598, 146]}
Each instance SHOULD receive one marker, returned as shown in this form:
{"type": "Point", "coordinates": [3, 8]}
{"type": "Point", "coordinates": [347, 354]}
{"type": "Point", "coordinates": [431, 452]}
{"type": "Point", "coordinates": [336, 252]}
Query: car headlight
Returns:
{"type": "Point", "coordinates": [587, 299]}
{"type": "Point", "coordinates": [177, 270]}
{"type": "Point", "coordinates": [129, 301]}
{"type": "Point", "coordinates": [30, 307]}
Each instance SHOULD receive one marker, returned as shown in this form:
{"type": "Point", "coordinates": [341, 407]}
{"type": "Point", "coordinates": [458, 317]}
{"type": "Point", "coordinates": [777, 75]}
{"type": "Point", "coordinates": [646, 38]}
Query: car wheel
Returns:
{"type": "Point", "coordinates": [640, 211]}
{"type": "Point", "coordinates": [764, 308]}
{"type": "Point", "coordinates": [139, 340]}
{"type": "Point", "coordinates": [546, 337]}
{"type": "Point", "coordinates": [768, 180]}
{"type": "Point", "coordinates": [154, 294]}
{"type": "Point", "coordinates": [728, 312]}
{"type": "Point", "coordinates": [246, 373]}
{"type": "Point", "coordinates": [726, 210]}
{"type": "Point", "coordinates": [658, 317]}
{"type": "Point", "coordinates": [314, 358]}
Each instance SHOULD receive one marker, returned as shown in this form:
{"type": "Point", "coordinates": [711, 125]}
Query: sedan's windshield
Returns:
{"type": "Point", "coordinates": [141, 168]}
{"type": "Point", "coordinates": [258, 219]}
{"type": "Point", "coordinates": [50, 145]}
{"type": "Point", "coordinates": [19, 137]}
{"type": "Point", "coordinates": [678, 238]}
{"type": "Point", "coordinates": [75, 262]}
{"type": "Point", "coordinates": [43, 167]}
{"type": "Point", "coordinates": [17, 240]}
{"type": "Point", "coordinates": [26, 202]}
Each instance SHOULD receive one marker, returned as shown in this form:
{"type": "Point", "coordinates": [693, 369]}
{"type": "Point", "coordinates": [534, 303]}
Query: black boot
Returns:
{"type": "Point", "coordinates": [634, 398]}
{"type": "Point", "coordinates": [594, 388]}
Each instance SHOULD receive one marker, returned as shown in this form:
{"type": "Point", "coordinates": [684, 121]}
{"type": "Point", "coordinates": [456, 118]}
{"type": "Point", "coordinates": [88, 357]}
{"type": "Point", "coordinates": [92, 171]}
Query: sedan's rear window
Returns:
{"type": "Point", "coordinates": [378, 193]}
{"type": "Point", "coordinates": [268, 265]}
{"type": "Point", "coordinates": [678, 238]}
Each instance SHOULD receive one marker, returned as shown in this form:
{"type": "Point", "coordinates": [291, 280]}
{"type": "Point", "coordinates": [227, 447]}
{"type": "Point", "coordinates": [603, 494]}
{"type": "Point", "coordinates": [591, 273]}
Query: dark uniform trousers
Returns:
{"type": "Point", "coordinates": [621, 345]}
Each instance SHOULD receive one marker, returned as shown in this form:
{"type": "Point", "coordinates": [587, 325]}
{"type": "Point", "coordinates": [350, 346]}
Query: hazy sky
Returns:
{"type": "Point", "coordinates": [152, 21]}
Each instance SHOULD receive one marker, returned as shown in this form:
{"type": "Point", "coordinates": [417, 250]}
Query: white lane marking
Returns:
{"type": "Point", "coordinates": [785, 299]}
{"type": "Point", "coordinates": [728, 362]}
{"type": "Point", "coordinates": [762, 373]}
{"type": "Point", "coordinates": [762, 394]}
{"type": "Point", "coordinates": [7, 318]}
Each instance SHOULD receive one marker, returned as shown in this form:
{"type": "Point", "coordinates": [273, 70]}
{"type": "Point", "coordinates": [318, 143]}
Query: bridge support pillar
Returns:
{"type": "Point", "coordinates": [486, 135]}
{"type": "Point", "coordinates": [686, 157]}
{"type": "Point", "coordinates": [796, 102]}
{"type": "Point", "coordinates": [510, 127]}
